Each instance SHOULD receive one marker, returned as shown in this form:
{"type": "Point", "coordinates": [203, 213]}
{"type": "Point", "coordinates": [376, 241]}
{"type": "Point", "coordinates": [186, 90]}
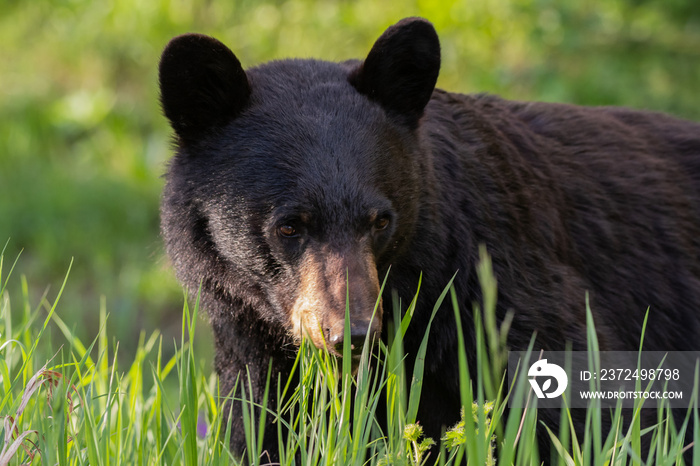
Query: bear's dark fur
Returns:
{"type": "Point", "coordinates": [292, 177]}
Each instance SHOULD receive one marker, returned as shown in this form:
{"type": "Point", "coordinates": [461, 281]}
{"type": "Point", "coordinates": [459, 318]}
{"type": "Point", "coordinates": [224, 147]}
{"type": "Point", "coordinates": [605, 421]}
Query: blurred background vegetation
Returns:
{"type": "Point", "coordinates": [83, 144]}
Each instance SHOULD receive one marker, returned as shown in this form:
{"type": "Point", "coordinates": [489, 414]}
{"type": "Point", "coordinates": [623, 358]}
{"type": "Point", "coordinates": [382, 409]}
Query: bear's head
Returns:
{"type": "Point", "coordinates": [296, 184]}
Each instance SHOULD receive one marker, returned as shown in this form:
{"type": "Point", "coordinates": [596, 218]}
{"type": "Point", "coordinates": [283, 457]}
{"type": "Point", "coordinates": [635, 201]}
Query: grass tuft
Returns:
{"type": "Point", "coordinates": [66, 402]}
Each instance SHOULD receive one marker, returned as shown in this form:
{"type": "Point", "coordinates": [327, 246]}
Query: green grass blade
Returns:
{"type": "Point", "coordinates": [419, 365]}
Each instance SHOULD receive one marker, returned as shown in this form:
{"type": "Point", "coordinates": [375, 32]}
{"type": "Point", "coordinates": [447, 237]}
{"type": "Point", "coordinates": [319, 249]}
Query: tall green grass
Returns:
{"type": "Point", "coordinates": [68, 402]}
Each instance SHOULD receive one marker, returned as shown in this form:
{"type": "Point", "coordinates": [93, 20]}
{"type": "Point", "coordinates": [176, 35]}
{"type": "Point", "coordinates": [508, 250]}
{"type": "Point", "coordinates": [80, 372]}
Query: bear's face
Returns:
{"type": "Point", "coordinates": [299, 178]}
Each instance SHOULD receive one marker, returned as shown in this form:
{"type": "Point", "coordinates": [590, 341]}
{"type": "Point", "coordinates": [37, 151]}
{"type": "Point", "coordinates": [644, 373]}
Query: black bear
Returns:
{"type": "Point", "coordinates": [299, 182]}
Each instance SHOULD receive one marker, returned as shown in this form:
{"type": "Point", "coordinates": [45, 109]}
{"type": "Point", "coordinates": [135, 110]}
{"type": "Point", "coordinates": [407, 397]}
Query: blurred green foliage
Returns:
{"type": "Point", "coordinates": [83, 144]}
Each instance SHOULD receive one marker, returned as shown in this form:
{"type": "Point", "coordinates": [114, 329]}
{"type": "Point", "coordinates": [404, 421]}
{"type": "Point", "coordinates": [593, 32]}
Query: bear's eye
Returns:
{"type": "Point", "coordinates": [287, 231]}
{"type": "Point", "coordinates": [381, 223]}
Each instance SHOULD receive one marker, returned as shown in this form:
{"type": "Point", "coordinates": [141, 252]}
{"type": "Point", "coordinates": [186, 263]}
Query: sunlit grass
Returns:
{"type": "Point", "coordinates": [75, 404]}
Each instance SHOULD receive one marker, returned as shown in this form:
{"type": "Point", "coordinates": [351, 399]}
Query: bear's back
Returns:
{"type": "Point", "coordinates": [608, 197]}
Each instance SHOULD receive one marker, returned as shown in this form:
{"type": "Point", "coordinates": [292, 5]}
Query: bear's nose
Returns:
{"type": "Point", "coordinates": [358, 333]}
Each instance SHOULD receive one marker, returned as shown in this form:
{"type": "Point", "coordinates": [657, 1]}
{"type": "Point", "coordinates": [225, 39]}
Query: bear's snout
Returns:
{"type": "Point", "coordinates": [332, 281]}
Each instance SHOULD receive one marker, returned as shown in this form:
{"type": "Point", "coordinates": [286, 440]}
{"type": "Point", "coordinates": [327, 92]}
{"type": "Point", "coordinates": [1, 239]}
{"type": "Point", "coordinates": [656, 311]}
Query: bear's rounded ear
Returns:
{"type": "Point", "coordinates": [401, 70]}
{"type": "Point", "coordinates": [202, 85]}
